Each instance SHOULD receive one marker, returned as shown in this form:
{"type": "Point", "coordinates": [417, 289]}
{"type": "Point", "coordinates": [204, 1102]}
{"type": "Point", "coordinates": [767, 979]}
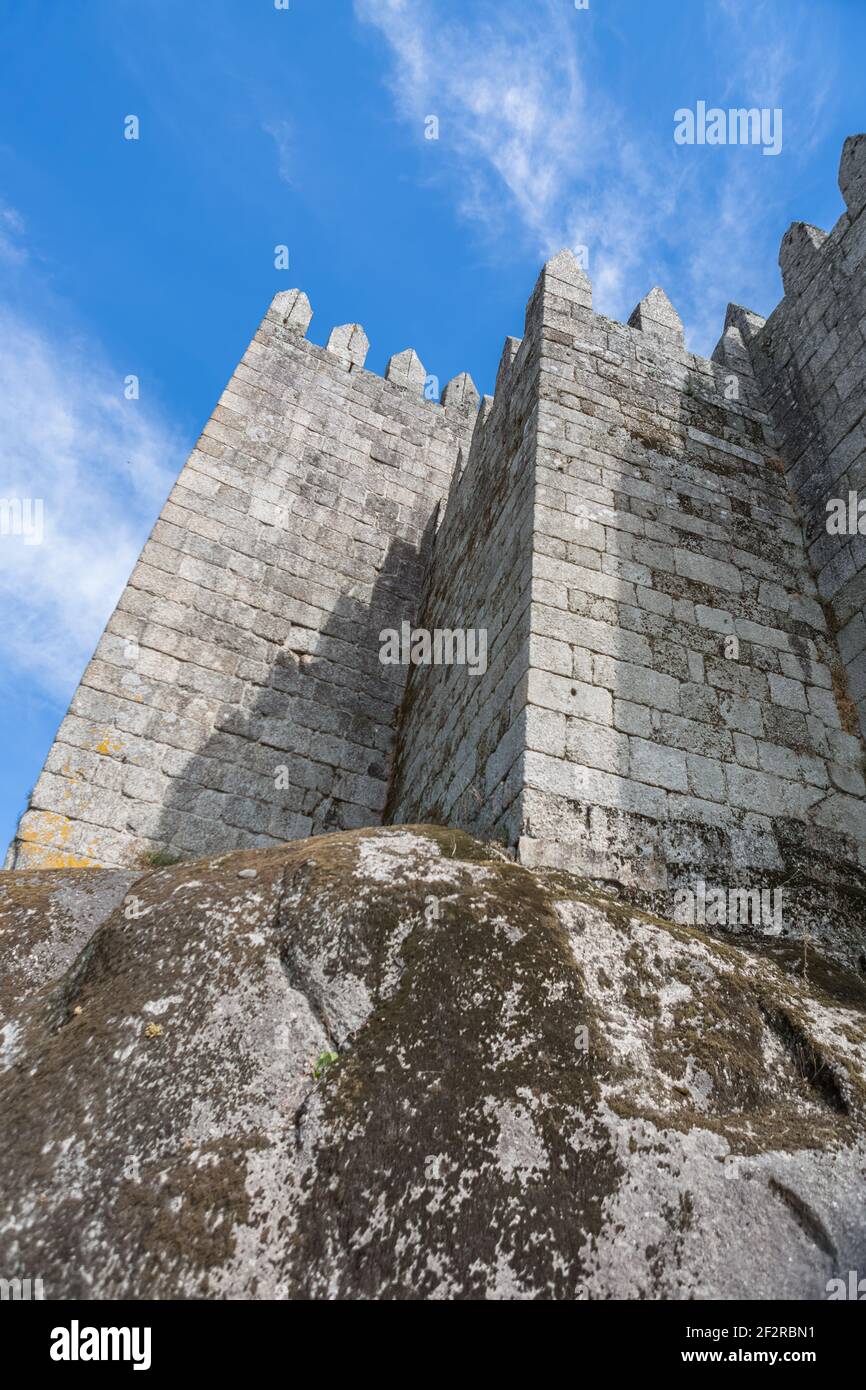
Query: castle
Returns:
{"type": "Point", "coordinates": [675, 642]}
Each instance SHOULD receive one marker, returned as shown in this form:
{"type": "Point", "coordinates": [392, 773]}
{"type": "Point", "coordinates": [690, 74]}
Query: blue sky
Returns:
{"type": "Point", "coordinates": [306, 127]}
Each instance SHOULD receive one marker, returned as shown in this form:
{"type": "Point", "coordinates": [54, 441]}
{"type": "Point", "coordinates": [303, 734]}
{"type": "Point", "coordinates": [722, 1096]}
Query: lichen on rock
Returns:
{"type": "Point", "coordinates": [541, 1090]}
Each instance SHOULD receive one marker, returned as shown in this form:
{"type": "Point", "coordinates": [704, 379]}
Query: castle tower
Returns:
{"type": "Point", "coordinates": [674, 644]}
{"type": "Point", "coordinates": [664, 686]}
{"type": "Point", "coordinates": [236, 697]}
{"type": "Point", "coordinates": [810, 360]}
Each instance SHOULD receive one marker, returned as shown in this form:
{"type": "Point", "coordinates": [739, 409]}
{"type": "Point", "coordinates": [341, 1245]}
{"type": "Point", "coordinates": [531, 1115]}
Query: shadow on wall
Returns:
{"type": "Point", "coordinates": [738, 625]}
{"type": "Point", "coordinates": [660, 746]}
{"type": "Point", "coordinates": [309, 748]}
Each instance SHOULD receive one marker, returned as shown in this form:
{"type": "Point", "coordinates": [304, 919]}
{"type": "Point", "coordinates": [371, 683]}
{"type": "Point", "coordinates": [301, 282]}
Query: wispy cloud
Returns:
{"type": "Point", "coordinates": [12, 247]}
{"type": "Point", "coordinates": [779, 54]}
{"type": "Point", "coordinates": [101, 466]}
{"type": "Point", "coordinates": [533, 147]}
{"type": "Point", "coordinates": [512, 102]}
{"type": "Point", "coordinates": [282, 135]}
{"type": "Point", "coordinates": [786, 57]}
{"type": "Point", "coordinates": [533, 143]}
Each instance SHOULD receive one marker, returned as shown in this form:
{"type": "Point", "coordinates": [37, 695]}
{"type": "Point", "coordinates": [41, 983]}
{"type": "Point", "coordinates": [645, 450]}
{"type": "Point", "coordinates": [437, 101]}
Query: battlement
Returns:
{"type": "Point", "coordinates": [674, 654]}
{"type": "Point", "coordinates": [291, 310]}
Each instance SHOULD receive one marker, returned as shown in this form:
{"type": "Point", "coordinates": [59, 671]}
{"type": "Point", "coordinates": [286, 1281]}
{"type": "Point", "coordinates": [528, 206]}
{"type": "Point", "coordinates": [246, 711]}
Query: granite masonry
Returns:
{"type": "Point", "coordinates": [676, 671]}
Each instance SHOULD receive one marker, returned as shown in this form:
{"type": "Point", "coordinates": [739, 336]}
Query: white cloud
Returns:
{"type": "Point", "coordinates": [532, 143]}
{"type": "Point", "coordinates": [512, 103]}
{"type": "Point", "coordinates": [102, 466]}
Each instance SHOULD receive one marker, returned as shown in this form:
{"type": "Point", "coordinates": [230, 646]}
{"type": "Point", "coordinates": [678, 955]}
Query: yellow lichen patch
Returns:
{"type": "Point", "coordinates": [109, 746]}
{"type": "Point", "coordinates": [70, 770]}
{"type": "Point", "coordinates": [38, 857]}
{"type": "Point", "coordinates": [43, 837]}
{"type": "Point", "coordinates": [38, 826]}
{"type": "Point", "coordinates": [105, 740]}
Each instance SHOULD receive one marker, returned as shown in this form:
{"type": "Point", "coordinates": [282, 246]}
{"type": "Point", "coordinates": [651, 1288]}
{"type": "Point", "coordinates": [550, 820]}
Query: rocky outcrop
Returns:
{"type": "Point", "coordinates": [393, 1064]}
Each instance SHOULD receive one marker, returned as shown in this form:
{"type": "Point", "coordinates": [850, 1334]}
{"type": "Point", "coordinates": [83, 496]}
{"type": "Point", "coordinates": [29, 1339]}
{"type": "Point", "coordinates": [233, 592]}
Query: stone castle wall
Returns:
{"type": "Point", "coordinates": [663, 529]}
{"type": "Point", "coordinates": [664, 685]}
{"type": "Point", "coordinates": [236, 697]}
{"type": "Point", "coordinates": [810, 357]}
{"type": "Point", "coordinates": [680, 696]}
{"type": "Point", "coordinates": [462, 740]}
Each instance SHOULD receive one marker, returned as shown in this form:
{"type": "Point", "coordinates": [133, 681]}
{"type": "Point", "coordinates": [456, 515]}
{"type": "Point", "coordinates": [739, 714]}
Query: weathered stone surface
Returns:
{"type": "Point", "coordinates": [350, 342]}
{"type": "Point", "coordinates": [461, 393]}
{"type": "Point", "coordinates": [292, 309]}
{"type": "Point", "coordinates": [406, 369]}
{"type": "Point", "coordinates": [236, 697]}
{"type": "Point", "coordinates": [47, 919]}
{"type": "Point", "coordinates": [656, 316]}
{"type": "Point", "coordinates": [800, 255]}
{"type": "Point", "coordinates": [539, 1090]}
{"type": "Point", "coordinates": [564, 277]}
{"type": "Point", "coordinates": [852, 173]}
{"type": "Point", "coordinates": [810, 360]}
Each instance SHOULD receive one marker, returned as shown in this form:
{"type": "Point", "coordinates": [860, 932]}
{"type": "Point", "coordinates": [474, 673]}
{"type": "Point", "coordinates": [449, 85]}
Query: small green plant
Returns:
{"type": "Point", "coordinates": [160, 858]}
{"type": "Point", "coordinates": [324, 1060]}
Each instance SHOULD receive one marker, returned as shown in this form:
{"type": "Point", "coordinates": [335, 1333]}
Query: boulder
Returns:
{"type": "Point", "coordinates": [393, 1064]}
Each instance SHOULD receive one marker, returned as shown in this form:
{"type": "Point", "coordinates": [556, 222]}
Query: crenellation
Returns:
{"type": "Point", "coordinates": [461, 394]}
{"type": "Point", "coordinates": [350, 343]}
{"type": "Point", "coordinates": [406, 369]}
{"type": "Point", "coordinates": [657, 317]}
{"type": "Point", "coordinates": [852, 174]}
{"type": "Point", "coordinates": [291, 310]}
{"type": "Point", "coordinates": [801, 259]}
